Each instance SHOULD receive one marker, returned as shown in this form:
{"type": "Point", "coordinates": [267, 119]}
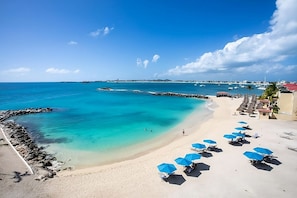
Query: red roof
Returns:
{"type": "Point", "coordinates": [291, 86]}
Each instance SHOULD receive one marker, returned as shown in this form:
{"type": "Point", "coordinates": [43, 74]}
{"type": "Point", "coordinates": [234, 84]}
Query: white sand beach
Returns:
{"type": "Point", "coordinates": [225, 173]}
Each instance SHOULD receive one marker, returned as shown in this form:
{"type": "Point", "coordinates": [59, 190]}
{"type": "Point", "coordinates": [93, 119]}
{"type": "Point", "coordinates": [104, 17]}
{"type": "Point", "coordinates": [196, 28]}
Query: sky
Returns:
{"type": "Point", "coordinates": [88, 40]}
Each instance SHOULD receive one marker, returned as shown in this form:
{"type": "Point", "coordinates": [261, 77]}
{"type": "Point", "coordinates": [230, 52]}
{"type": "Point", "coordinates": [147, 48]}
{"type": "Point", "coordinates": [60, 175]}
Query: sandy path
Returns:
{"type": "Point", "coordinates": [10, 163]}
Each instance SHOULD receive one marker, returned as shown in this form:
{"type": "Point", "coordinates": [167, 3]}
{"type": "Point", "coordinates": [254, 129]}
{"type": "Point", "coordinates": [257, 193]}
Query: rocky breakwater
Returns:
{"type": "Point", "coordinates": [156, 93]}
{"type": "Point", "coordinates": [43, 164]}
{"type": "Point", "coordinates": [179, 95]}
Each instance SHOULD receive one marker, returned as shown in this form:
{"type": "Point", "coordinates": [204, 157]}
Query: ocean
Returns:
{"type": "Point", "coordinates": [91, 127]}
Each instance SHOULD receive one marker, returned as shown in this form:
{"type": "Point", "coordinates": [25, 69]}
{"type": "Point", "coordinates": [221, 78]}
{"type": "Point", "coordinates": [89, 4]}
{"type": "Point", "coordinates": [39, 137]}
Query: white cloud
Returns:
{"type": "Point", "coordinates": [76, 71]}
{"type": "Point", "coordinates": [19, 70]}
{"type": "Point", "coordinates": [138, 62]}
{"type": "Point", "coordinates": [101, 31]}
{"type": "Point", "coordinates": [72, 43]}
{"type": "Point", "coordinates": [155, 58]}
{"type": "Point", "coordinates": [145, 63]}
{"type": "Point", "coordinates": [141, 63]}
{"type": "Point", "coordinates": [95, 33]}
{"type": "Point", "coordinates": [255, 52]}
{"type": "Point", "coordinates": [106, 30]}
{"type": "Point", "coordinates": [53, 70]}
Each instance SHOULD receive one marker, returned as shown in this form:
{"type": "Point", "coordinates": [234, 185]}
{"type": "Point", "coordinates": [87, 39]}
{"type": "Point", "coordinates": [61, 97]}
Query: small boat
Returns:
{"type": "Point", "coordinates": [262, 87]}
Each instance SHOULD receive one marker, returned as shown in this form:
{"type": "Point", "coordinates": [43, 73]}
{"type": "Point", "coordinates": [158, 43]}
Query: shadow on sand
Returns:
{"type": "Point", "coordinates": [239, 143]}
{"type": "Point", "coordinates": [202, 166]}
{"type": "Point", "coordinates": [193, 173]}
{"type": "Point", "coordinates": [217, 150]}
{"type": "Point", "coordinates": [263, 166]}
{"type": "Point", "coordinates": [206, 154]}
{"type": "Point", "coordinates": [272, 161]}
{"type": "Point", "coordinates": [18, 176]}
{"type": "Point", "coordinates": [176, 179]}
{"type": "Point", "coordinates": [235, 143]}
{"type": "Point", "coordinates": [245, 141]}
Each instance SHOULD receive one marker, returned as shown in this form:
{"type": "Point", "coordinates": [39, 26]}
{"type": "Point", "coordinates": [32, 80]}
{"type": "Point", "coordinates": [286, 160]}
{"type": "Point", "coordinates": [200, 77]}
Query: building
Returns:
{"type": "Point", "coordinates": [287, 102]}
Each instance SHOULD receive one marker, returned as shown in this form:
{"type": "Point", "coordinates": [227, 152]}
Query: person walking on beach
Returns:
{"type": "Point", "coordinates": [183, 132]}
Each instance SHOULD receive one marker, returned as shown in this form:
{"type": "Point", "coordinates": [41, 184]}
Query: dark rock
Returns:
{"type": "Point", "coordinates": [47, 163]}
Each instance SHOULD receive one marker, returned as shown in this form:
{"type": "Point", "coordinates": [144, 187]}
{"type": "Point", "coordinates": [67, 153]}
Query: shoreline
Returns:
{"type": "Point", "coordinates": [170, 137]}
{"type": "Point", "coordinates": [220, 174]}
{"type": "Point", "coordinates": [125, 153]}
{"type": "Point", "coordinates": [135, 150]}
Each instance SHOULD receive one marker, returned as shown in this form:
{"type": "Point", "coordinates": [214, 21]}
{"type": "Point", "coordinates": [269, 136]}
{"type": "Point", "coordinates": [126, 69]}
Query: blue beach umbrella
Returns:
{"type": "Point", "coordinates": [183, 161]}
{"type": "Point", "coordinates": [166, 168]}
{"type": "Point", "coordinates": [263, 151]}
{"type": "Point", "coordinates": [253, 155]}
{"type": "Point", "coordinates": [210, 141]}
{"type": "Point", "coordinates": [242, 122]}
{"type": "Point", "coordinates": [240, 128]}
{"type": "Point", "coordinates": [238, 134]}
{"type": "Point", "coordinates": [198, 146]}
{"type": "Point", "coordinates": [192, 156]}
{"type": "Point", "coordinates": [229, 136]}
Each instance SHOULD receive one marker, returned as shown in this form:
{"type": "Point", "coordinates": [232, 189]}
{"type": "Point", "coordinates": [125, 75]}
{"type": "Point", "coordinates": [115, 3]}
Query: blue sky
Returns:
{"type": "Point", "coordinates": [61, 40]}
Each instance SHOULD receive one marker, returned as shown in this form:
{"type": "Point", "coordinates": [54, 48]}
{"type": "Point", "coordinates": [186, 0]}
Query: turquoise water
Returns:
{"type": "Point", "coordinates": [92, 121]}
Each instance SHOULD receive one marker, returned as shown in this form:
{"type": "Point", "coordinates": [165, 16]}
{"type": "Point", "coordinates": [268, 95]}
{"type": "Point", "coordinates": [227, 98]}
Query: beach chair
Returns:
{"type": "Point", "coordinates": [164, 176]}
{"type": "Point", "coordinates": [188, 169]}
{"type": "Point", "coordinates": [199, 150]}
{"type": "Point", "coordinates": [255, 162]}
{"type": "Point", "coordinates": [268, 158]}
{"type": "Point", "coordinates": [232, 141]}
{"type": "Point", "coordinates": [239, 139]}
{"type": "Point", "coordinates": [211, 147]}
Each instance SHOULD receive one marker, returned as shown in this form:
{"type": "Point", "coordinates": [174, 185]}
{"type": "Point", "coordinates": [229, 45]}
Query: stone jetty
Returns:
{"type": "Point", "coordinates": [179, 95]}
{"type": "Point", "coordinates": [157, 93]}
{"type": "Point", "coordinates": [43, 164]}
{"type": "Point", "coordinates": [4, 115]}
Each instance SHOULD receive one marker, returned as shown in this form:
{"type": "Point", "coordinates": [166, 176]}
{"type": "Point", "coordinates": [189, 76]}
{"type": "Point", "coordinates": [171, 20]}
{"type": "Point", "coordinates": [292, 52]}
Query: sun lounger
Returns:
{"type": "Point", "coordinates": [231, 141]}
{"type": "Point", "coordinates": [211, 147]}
{"type": "Point", "coordinates": [269, 157]}
{"type": "Point", "coordinates": [255, 161]}
{"type": "Point", "coordinates": [199, 150]}
{"type": "Point", "coordinates": [164, 176]}
{"type": "Point", "coordinates": [188, 169]}
{"type": "Point", "coordinates": [239, 139]}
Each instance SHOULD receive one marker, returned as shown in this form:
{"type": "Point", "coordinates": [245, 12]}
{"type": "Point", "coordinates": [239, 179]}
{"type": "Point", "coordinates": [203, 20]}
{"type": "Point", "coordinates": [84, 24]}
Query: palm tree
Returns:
{"type": "Point", "coordinates": [270, 91]}
{"type": "Point", "coordinates": [275, 108]}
